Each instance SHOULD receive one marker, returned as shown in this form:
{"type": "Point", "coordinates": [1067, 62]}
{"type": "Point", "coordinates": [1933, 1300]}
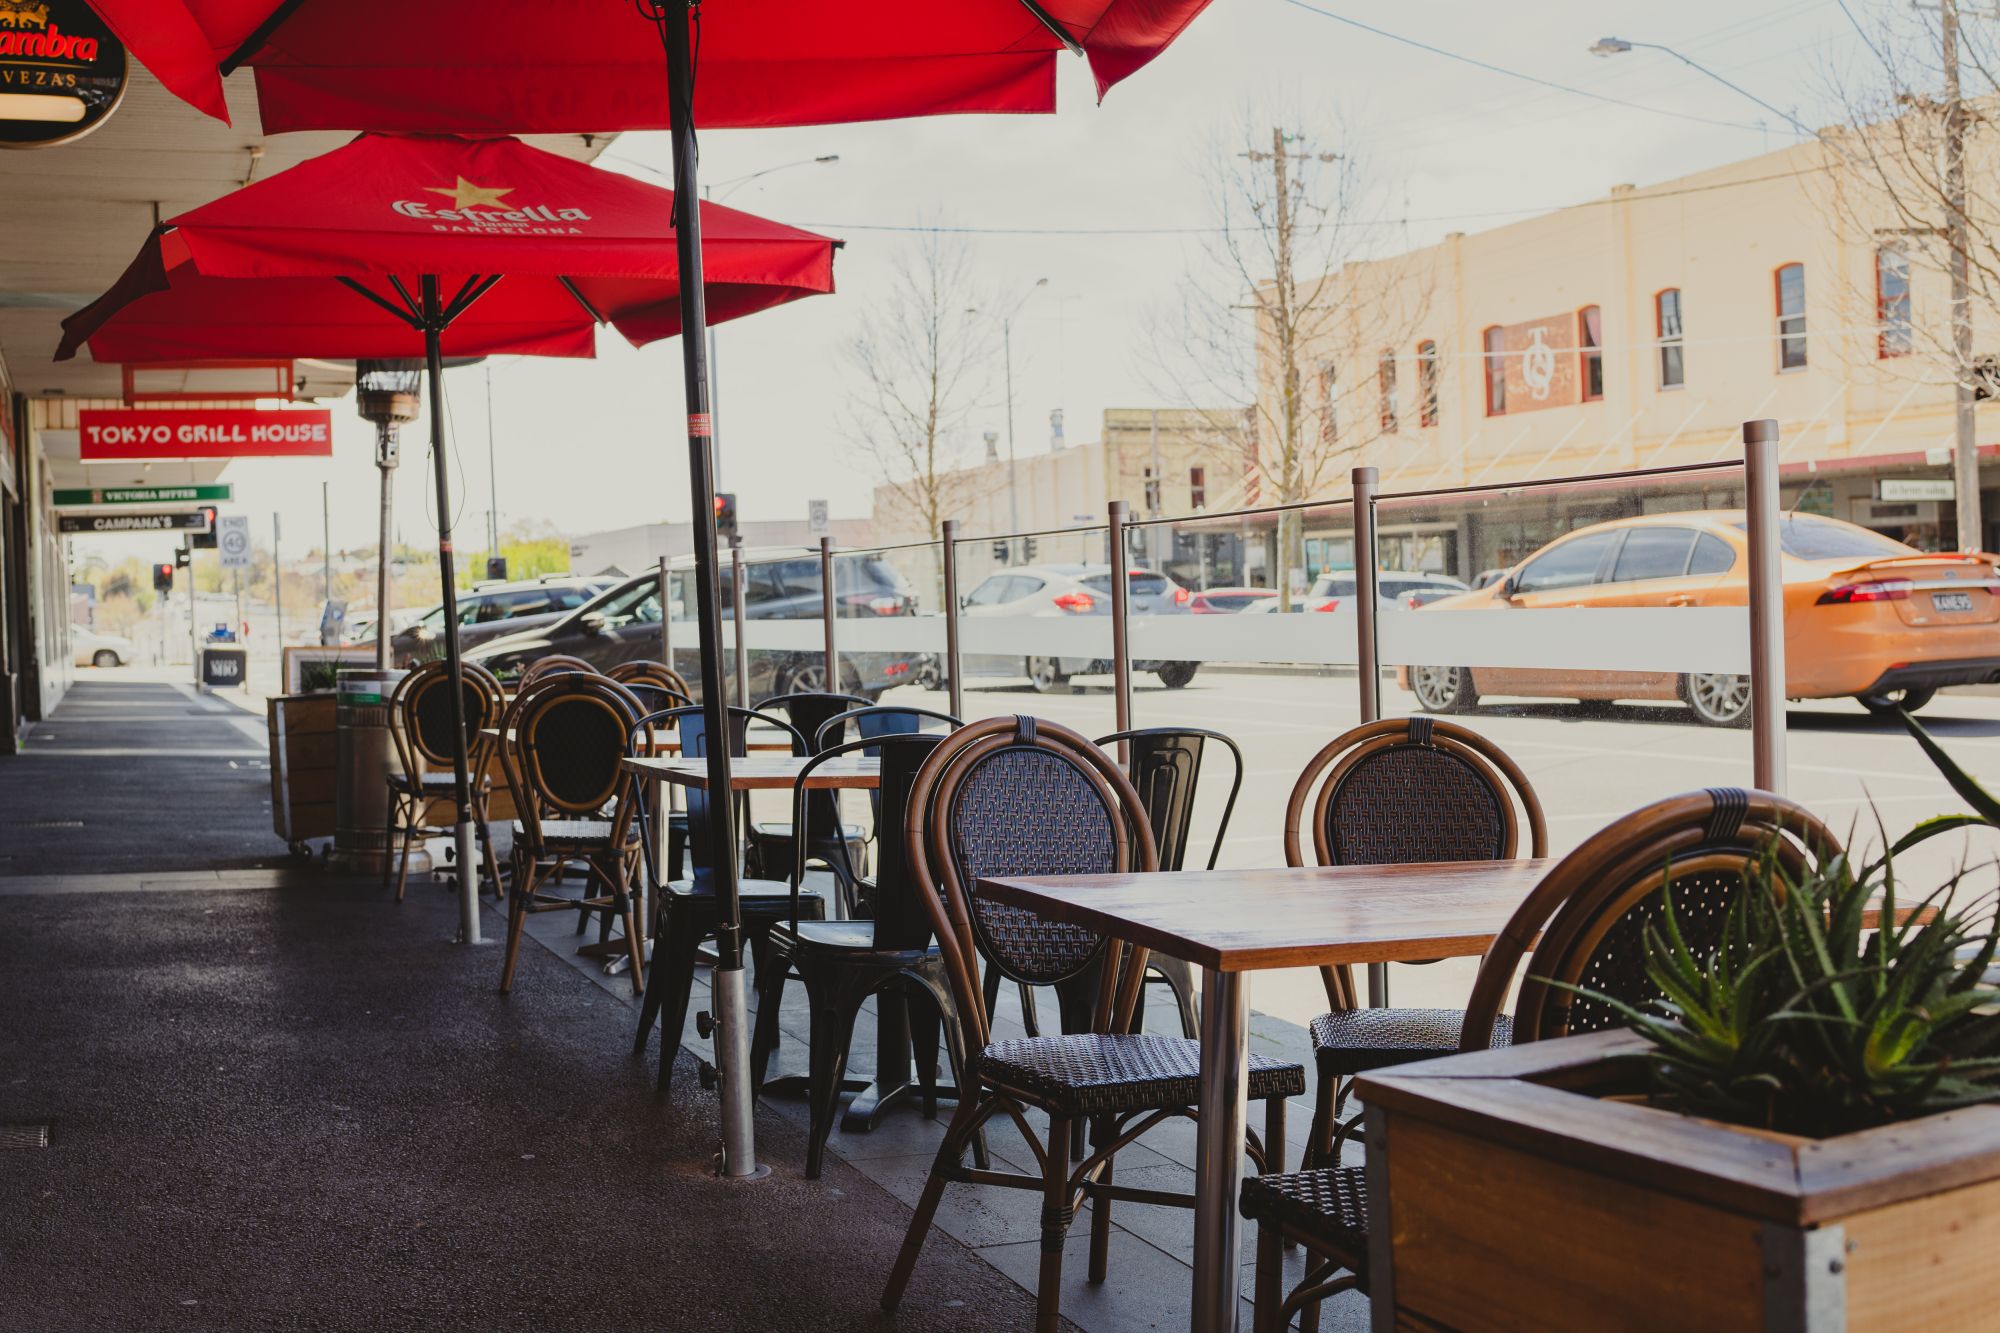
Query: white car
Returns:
{"type": "Point", "coordinates": [100, 650]}
{"type": "Point", "coordinates": [1395, 590]}
{"type": "Point", "coordinates": [1057, 591]}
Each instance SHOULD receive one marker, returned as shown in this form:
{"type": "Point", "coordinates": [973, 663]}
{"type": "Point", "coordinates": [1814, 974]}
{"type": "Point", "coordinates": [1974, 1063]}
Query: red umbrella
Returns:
{"type": "Point", "coordinates": [352, 255]}
{"type": "Point", "coordinates": [582, 65]}
{"type": "Point", "coordinates": [578, 65]}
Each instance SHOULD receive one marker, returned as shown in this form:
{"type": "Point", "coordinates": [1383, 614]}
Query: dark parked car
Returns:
{"type": "Point", "coordinates": [624, 625]}
{"type": "Point", "coordinates": [488, 610]}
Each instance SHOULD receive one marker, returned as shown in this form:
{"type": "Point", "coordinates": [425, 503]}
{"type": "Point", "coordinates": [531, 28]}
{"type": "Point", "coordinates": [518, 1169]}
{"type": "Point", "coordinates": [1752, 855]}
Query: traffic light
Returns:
{"type": "Point", "coordinates": [205, 541]}
{"type": "Point", "coordinates": [163, 576]}
{"type": "Point", "coordinates": [725, 516]}
{"type": "Point", "coordinates": [1028, 550]}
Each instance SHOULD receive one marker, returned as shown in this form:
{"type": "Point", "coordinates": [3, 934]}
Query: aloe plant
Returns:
{"type": "Point", "coordinates": [1804, 1020]}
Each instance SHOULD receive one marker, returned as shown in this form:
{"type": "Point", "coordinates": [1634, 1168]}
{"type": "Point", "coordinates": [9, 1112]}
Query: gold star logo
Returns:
{"type": "Point", "coordinates": [467, 195]}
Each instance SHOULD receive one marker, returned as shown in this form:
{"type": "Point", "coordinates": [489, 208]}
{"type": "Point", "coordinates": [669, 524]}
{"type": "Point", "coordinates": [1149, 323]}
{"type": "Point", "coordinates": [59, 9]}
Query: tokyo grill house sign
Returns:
{"type": "Point", "coordinates": [106, 433]}
{"type": "Point", "coordinates": [61, 72]}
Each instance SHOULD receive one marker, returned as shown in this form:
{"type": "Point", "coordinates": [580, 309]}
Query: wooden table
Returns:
{"type": "Point", "coordinates": [1235, 921]}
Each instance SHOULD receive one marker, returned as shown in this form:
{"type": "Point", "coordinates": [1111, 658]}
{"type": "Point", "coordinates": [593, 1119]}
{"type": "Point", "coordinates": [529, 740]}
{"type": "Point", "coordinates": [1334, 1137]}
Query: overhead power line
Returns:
{"type": "Point", "coordinates": [1525, 77]}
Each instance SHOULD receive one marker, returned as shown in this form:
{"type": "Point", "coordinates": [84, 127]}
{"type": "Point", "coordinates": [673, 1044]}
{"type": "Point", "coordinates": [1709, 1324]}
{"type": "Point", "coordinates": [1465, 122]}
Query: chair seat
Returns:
{"type": "Point", "coordinates": [432, 782]}
{"type": "Point", "coordinates": [746, 889]}
{"type": "Point", "coordinates": [840, 936]}
{"type": "Point", "coordinates": [1101, 1074]}
{"type": "Point", "coordinates": [578, 834]}
{"type": "Point", "coordinates": [1354, 1041]}
{"type": "Point", "coordinates": [1330, 1207]}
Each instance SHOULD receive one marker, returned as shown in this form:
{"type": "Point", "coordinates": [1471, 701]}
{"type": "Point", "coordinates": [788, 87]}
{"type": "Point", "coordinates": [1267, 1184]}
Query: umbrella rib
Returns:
{"type": "Point", "coordinates": [258, 36]}
{"type": "Point", "coordinates": [468, 294]}
{"type": "Point", "coordinates": [1047, 20]}
{"type": "Point", "coordinates": [416, 311]}
{"type": "Point", "coordinates": [382, 301]}
{"type": "Point", "coordinates": [582, 300]}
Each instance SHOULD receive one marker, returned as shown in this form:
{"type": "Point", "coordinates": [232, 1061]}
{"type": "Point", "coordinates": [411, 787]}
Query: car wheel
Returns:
{"type": "Point", "coordinates": [802, 679]}
{"type": "Point", "coordinates": [929, 675]}
{"type": "Point", "coordinates": [104, 657]}
{"type": "Point", "coordinates": [1443, 689]}
{"type": "Point", "coordinates": [1718, 699]}
{"type": "Point", "coordinates": [1176, 675]}
{"type": "Point", "coordinates": [1909, 699]}
{"type": "Point", "coordinates": [1046, 676]}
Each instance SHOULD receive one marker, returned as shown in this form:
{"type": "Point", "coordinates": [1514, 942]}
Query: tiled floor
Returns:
{"type": "Point", "coordinates": [1149, 1282]}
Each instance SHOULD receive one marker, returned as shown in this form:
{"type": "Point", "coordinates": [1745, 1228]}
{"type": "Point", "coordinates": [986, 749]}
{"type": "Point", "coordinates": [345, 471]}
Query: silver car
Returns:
{"type": "Point", "coordinates": [1055, 591]}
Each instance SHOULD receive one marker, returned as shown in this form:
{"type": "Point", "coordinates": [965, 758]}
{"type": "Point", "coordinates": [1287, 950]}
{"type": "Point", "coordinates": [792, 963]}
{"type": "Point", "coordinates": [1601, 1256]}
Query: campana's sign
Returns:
{"type": "Point", "coordinates": [204, 433]}
{"type": "Point", "coordinates": [61, 72]}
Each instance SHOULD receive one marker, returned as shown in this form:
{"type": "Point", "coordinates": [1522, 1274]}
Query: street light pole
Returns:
{"type": "Point", "coordinates": [492, 473]}
{"type": "Point", "coordinates": [1612, 46]}
{"type": "Point", "coordinates": [1013, 471]}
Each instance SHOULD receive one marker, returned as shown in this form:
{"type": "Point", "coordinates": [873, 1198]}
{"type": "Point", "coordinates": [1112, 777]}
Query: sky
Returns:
{"type": "Point", "coordinates": [1106, 202]}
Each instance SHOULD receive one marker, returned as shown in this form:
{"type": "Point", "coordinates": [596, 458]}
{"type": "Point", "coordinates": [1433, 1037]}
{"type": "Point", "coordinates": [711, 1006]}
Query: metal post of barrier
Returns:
{"type": "Point", "coordinates": [737, 597]}
{"type": "Point", "coordinates": [666, 617]}
{"type": "Point", "coordinates": [1367, 660]}
{"type": "Point", "coordinates": [1767, 606]}
{"type": "Point", "coordinates": [827, 606]}
{"type": "Point", "coordinates": [953, 676]}
{"type": "Point", "coordinates": [1121, 610]}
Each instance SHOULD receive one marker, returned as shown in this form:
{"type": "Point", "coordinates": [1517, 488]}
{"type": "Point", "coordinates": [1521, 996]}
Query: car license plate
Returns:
{"type": "Point", "coordinates": [1952, 601]}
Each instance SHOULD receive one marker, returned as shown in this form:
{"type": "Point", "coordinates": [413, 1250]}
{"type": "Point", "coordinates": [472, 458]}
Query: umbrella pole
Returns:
{"type": "Point", "coordinates": [468, 863]}
{"type": "Point", "coordinates": [732, 1011]}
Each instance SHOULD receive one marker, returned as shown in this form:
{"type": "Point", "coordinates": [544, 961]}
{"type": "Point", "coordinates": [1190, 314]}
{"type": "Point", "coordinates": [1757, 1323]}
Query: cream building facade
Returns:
{"type": "Point", "coordinates": [1639, 331]}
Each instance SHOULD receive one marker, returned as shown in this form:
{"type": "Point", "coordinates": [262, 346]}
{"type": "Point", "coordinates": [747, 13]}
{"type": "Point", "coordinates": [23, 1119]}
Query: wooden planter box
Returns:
{"type": "Point", "coordinates": [1507, 1191]}
{"type": "Point", "coordinates": [302, 766]}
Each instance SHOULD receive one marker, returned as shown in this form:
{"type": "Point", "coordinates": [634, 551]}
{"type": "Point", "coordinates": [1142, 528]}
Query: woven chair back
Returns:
{"type": "Point", "coordinates": [1412, 789]}
{"type": "Point", "coordinates": [542, 666]}
{"type": "Point", "coordinates": [644, 671]}
{"type": "Point", "coordinates": [571, 732]}
{"type": "Point", "coordinates": [420, 708]}
{"type": "Point", "coordinates": [1586, 921]}
{"type": "Point", "coordinates": [1021, 796]}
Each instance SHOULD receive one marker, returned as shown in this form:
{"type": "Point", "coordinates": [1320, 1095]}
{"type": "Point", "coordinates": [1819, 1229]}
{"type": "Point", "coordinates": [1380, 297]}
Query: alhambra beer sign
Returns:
{"type": "Point", "coordinates": [61, 72]}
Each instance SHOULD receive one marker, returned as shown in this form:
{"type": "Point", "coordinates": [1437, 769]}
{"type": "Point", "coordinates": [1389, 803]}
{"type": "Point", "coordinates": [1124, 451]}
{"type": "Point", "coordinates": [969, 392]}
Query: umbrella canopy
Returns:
{"type": "Point", "coordinates": [257, 272]}
{"type": "Point", "coordinates": [583, 65]}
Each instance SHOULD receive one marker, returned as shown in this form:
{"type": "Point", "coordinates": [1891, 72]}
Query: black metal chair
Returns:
{"type": "Point", "coordinates": [685, 910]}
{"type": "Point", "coordinates": [565, 764]}
{"type": "Point", "coordinates": [839, 846]}
{"type": "Point", "coordinates": [842, 963]}
{"type": "Point", "coordinates": [1020, 796]}
{"type": "Point", "coordinates": [420, 725]}
{"type": "Point", "coordinates": [1585, 923]}
{"type": "Point", "coordinates": [1398, 791]}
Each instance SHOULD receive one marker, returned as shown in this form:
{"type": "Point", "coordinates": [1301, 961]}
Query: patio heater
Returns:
{"type": "Point", "coordinates": [387, 393]}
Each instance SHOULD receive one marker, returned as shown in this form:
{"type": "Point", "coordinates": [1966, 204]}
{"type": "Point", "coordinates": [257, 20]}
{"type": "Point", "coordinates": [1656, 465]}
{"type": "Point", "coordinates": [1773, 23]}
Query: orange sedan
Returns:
{"type": "Point", "coordinates": [1865, 616]}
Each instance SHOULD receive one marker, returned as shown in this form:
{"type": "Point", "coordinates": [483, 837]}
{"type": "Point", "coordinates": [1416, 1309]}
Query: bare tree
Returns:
{"type": "Point", "coordinates": [1912, 180]}
{"type": "Point", "coordinates": [1286, 317]}
{"type": "Point", "coordinates": [920, 360]}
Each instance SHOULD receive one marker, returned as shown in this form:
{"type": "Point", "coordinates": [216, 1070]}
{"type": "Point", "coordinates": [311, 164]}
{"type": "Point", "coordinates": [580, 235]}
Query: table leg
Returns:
{"type": "Point", "coordinates": [895, 1076]}
{"type": "Point", "coordinates": [1219, 1146]}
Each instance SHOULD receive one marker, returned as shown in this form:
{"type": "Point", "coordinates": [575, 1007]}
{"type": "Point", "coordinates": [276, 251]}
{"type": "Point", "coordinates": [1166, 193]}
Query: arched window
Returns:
{"type": "Point", "coordinates": [1892, 302]}
{"type": "Point", "coordinates": [1667, 329]}
{"type": "Point", "coordinates": [1389, 408]}
{"type": "Point", "coordinates": [1590, 352]}
{"type": "Point", "coordinates": [1427, 383]}
{"type": "Point", "coordinates": [1494, 342]}
{"type": "Point", "coordinates": [1791, 300]}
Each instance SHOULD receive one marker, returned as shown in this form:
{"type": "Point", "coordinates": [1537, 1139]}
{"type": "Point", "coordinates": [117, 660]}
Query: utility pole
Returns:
{"type": "Point", "coordinates": [1965, 452]}
{"type": "Point", "coordinates": [1289, 462]}
{"type": "Point", "coordinates": [278, 593]}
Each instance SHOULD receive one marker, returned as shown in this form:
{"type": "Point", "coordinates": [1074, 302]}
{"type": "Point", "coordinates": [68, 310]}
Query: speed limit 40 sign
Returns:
{"type": "Point", "coordinates": [232, 540]}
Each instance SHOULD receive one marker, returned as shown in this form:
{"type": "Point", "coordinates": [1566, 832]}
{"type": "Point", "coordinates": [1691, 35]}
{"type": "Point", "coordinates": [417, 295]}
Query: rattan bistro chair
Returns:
{"type": "Point", "coordinates": [565, 762]}
{"type": "Point", "coordinates": [643, 672]}
{"type": "Point", "coordinates": [1389, 792]}
{"type": "Point", "coordinates": [1018, 796]}
{"type": "Point", "coordinates": [1590, 913]}
{"type": "Point", "coordinates": [542, 666]}
{"type": "Point", "coordinates": [420, 722]}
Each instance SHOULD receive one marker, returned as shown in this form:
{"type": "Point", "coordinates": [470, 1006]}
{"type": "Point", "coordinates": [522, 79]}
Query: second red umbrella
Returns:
{"type": "Point", "coordinates": [455, 246]}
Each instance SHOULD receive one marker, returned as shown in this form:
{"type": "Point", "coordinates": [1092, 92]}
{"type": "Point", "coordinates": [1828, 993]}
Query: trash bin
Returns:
{"type": "Point", "coordinates": [365, 755]}
{"type": "Point", "coordinates": [224, 668]}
